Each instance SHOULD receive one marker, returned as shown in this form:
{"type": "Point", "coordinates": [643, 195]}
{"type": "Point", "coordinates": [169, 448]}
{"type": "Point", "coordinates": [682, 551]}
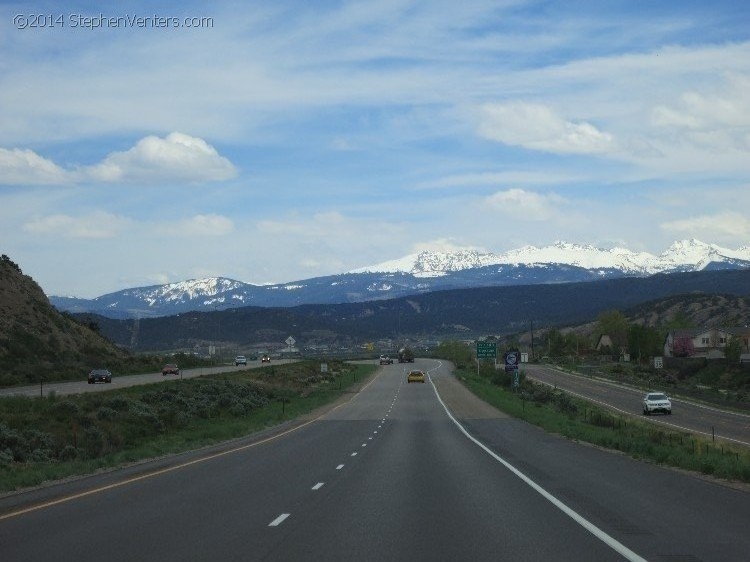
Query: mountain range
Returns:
{"type": "Point", "coordinates": [418, 273]}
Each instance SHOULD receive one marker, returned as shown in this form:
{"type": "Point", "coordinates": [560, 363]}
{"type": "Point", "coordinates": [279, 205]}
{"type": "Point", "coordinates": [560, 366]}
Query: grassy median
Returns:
{"type": "Point", "coordinates": [558, 412]}
{"type": "Point", "coordinates": [52, 437]}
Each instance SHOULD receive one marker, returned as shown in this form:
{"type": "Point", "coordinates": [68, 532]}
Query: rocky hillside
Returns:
{"type": "Point", "coordinates": [700, 310]}
{"type": "Point", "coordinates": [36, 340]}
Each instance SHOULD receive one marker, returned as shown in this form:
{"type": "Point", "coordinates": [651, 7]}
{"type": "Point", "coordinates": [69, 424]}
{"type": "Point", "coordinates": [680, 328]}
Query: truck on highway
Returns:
{"type": "Point", "coordinates": [405, 355]}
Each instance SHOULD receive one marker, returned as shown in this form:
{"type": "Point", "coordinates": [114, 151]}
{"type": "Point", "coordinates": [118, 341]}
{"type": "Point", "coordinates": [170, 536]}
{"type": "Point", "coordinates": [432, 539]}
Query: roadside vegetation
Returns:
{"type": "Point", "coordinates": [51, 437]}
{"type": "Point", "coordinates": [19, 369]}
{"type": "Point", "coordinates": [558, 412]}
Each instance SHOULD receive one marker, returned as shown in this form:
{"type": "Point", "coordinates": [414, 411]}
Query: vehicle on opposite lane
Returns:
{"type": "Point", "coordinates": [170, 369]}
{"type": "Point", "coordinates": [240, 360]}
{"type": "Point", "coordinates": [100, 375]}
{"type": "Point", "coordinates": [656, 402]}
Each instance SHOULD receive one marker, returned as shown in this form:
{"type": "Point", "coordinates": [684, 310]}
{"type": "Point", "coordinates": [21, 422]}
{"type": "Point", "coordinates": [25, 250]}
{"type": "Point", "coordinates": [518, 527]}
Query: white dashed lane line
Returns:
{"type": "Point", "coordinates": [279, 520]}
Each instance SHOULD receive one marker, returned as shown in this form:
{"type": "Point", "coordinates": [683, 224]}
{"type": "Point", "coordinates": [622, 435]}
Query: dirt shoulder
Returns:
{"type": "Point", "coordinates": [462, 403]}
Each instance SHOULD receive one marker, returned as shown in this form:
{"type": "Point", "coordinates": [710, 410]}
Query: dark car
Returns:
{"type": "Point", "coordinates": [100, 375]}
{"type": "Point", "coordinates": [265, 359]}
{"type": "Point", "coordinates": [170, 369]}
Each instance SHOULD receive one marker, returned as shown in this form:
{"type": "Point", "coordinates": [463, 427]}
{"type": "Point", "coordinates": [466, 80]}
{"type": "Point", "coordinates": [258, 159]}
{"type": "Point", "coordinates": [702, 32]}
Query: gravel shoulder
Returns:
{"type": "Point", "coordinates": [462, 403]}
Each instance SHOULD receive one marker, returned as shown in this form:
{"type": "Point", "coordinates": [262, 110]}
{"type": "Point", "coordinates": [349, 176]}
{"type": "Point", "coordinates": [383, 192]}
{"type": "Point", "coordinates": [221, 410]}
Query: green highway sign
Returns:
{"type": "Point", "coordinates": [486, 350]}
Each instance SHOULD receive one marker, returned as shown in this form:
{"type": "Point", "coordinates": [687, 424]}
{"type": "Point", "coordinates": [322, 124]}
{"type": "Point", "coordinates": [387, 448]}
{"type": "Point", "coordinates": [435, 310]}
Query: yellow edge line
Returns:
{"type": "Point", "coordinates": [165, 470]}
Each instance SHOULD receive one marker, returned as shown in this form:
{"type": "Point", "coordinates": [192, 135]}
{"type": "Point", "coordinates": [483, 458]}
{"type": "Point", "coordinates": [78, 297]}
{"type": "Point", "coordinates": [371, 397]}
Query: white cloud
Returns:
{"type": "Point", "coordinates": [717, 120]}
{"type": "Point", "coordinates": [537, 127]}
{"type": "Point", "coordinates": [200, 225]}
{"type": "Point", "coordinates": [528, 204]}
{"type": "Point", "coordinates": [175, 157]}
{"type": "Point", "coordinates": [502, 178]}
{"type": "Point", "coordinates": [26, 167]}
{"type": "Point", "coordinates": [94, 225]}
{"type": "Point", "coordinates": [721, 226]}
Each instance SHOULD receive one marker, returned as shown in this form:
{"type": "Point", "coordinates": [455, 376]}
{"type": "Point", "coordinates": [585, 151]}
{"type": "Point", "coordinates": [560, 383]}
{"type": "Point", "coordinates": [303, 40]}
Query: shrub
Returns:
{"type": "Point", "coordinates": [105, 413]}
{"type": "Point", "coordinates": [118, 403]}
{"type": "Point", "coordinates": [65, 409]}
{"type": "Point", "coordinates": [6, 457]}
{"type": "Point", "coordinates": [68, 453]}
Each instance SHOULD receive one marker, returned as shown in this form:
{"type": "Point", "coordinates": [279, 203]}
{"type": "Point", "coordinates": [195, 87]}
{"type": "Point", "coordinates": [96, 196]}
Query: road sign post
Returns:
{"type": "Point", "coordinates": [511, 360]}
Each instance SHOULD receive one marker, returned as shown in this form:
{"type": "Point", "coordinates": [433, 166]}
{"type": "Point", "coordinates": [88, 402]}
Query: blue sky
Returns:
{"type": "Point", "coordinates": [277, 141]}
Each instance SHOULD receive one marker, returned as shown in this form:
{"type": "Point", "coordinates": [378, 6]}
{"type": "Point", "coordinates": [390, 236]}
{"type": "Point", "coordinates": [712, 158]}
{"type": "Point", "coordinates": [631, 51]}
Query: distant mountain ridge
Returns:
{"type": "Point", "coordinates": [438, 315]}
{"type": "Point", "coordinates": [418, 273]}
{"type": "Point", "coordinates": [685, 255]}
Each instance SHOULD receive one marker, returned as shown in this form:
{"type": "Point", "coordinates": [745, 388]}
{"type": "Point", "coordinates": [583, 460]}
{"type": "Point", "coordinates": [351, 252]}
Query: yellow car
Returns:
{"type": "Point", "coordinates": [415, 376]}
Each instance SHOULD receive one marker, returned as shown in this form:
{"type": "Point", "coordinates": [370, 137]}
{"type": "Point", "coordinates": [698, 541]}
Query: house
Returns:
{"type": "Point", "coordinates": [703, 342]}
{"type": "Point", "coordinates": [604, 342]}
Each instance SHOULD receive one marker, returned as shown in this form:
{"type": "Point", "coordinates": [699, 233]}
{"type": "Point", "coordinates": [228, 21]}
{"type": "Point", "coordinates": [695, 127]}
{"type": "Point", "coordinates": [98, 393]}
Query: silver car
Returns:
{"type": "Point", "coordinates": [656, 402]}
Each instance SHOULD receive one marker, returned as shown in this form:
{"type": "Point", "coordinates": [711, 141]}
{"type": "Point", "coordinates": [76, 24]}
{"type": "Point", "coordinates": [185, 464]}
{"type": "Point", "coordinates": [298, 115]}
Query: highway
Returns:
{"type": "Point", "coordinates": [688, 416]}
{"type": "Point", "coordinates": [79, 387]}
{"type": "Point", "coordinates": [390, 474]}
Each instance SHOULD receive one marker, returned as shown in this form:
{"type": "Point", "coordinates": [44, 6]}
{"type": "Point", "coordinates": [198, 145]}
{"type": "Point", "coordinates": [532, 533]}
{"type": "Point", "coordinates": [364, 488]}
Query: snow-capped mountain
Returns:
{"type": "Point", "coordinates": [416, 273]}
{"type": "Point", "coordinates": [686, 255]}
{"type": "Point", "coordinates": [211, 290]}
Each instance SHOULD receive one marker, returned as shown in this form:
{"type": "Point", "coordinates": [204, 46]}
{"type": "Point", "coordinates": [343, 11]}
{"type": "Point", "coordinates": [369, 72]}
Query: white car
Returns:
{"type": "Point", "coordinates": [240, 360]}
{"type": "Point", "coordinates": [656, 402]}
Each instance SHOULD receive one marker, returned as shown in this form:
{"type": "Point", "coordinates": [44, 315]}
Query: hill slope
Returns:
{"type": "Point", "coordinates": [36, 340]}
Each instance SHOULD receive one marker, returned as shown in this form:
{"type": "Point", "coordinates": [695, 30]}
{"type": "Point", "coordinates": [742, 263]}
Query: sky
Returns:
{"type": "Point", "coordinates": [269, 142]}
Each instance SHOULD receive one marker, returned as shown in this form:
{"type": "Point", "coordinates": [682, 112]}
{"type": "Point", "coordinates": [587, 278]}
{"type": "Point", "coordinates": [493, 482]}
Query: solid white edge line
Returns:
{"type": "Point", "coordinates": [279, 520]}
{"type": "Point", "coordinates": [610, 541]}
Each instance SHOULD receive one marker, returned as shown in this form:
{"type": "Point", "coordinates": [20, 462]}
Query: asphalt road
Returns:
{"type": "Point", "coordinates": [388, 475]}
{"type": "Point", "coordinates": [692, 417]}
{"type": "Point", "coordinates": [79, 387]}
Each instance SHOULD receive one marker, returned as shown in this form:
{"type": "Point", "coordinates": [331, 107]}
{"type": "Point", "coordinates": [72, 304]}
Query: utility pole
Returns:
{"type": "Point", "coordinates": [532, 339]}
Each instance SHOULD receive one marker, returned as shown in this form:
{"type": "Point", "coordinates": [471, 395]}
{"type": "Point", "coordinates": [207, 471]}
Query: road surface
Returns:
{"type": "Point", "coordinates": [689, 416]}
{"type": "Point", "coordinates": [388, 475]}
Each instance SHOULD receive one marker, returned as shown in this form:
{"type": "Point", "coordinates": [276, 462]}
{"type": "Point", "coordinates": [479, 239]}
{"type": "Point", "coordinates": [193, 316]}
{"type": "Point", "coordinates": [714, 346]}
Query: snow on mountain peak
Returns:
{"type": "Point", "coordinates": [681, 255]}
{"type": "Point", "coordinates": [187, 290]}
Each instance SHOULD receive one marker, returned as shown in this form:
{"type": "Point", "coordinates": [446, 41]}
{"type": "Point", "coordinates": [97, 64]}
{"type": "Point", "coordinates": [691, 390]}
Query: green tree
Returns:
{"type": "Point", "coordinates": [614, 324]}
{"type": "Point", "coordinates": [680, 321]}
{"type": "Point", "coordinates": [644, 342]}
{"type": "Point", "coordinates": [733, 349]}
{"type": "Point", "coordinates": [456, 352]}
{"type": "Point", "coordinates": [556, 343]}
